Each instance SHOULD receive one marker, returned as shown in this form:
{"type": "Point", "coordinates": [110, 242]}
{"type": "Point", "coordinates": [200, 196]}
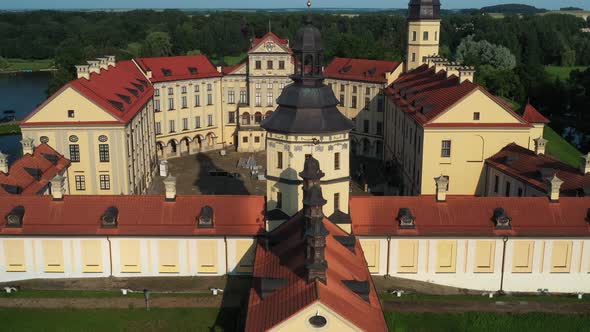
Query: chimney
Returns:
{"type": "Point", "coordinates": [466, 73]}
{"type": "Point", "coordinates": [148, 73]}
{"type": "Point", "coordinates": [103, 63]}
{"type": "Point", "coordinates": [585, 164]}
{"type": "Point", "coordinates": [28, 146]}
{"type": "Point", "coordinates": [555, 184]}
{"type": "Point", "coordinates": [94, 66]}
{"type": "Point", "coordinates": [57, 187]}
{"type": "Point", "coordinates": [440, 64]}
{"type": "Point", "coordinates": [111, 60]}
{"type": "Point", "coordinates": [83, 71]}
{"type": "Point", "coordinates": [540, 145]}
{"type": "Point", "coordinates": [429, 60]}
{"type": "Point", "coordinates": [442, 185]}
{"type": "Point", "coordinates": [3, 163]}
{"type": "Point", "coordinates": [453, 69]}
{"type": "Point", "coordinates": [315, 230]}
{"type": "Point", "coordinates": [219, 69]}
{"type": "Point", "coordinates": [170, 185]}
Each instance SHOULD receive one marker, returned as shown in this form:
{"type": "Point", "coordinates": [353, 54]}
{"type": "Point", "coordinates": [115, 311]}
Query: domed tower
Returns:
{"type": "Point", "coordinates": [423, 31]}
{"type": "Point", "coordinates": [307, 123]}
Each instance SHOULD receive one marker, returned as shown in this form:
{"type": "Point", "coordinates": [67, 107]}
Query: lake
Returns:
{"type": "Point", "coordinates": [22, 93]}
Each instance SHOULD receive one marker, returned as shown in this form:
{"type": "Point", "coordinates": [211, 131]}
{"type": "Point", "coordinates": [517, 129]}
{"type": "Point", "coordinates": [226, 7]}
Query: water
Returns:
{"type": "Point", "coordinates": [21, 93]}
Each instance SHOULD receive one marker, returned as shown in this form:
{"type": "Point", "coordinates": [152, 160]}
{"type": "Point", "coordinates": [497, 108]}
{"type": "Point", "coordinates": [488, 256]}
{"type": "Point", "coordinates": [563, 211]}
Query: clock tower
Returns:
{"type": "Point", "coordinates": [423, 31]}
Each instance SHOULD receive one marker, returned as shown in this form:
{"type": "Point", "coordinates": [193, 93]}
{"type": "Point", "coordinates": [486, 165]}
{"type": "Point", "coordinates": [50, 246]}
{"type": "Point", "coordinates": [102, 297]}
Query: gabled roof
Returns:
{"type": "Point", "coordinates": [32, 173]}
{"type": "Point", "coordinates": [425, 94]}
{"type": "Point", "coordinates": [176, 68]}
{"type": "Point", "coordinates": [121, 90]}
{"type": "Point", "coordinates": [471, 216]}
{"type": "Point", "coordinates": [360, 69]}
{"type": "Point", "coordinates": [228, 70]}
{"type": "Point", "coordinates": [527, 166]}
{"type": "Point", "coordinates": [138, 215]}
{"type": "Point", "coordinates": [275, 38]}
{"type": "Point", "coordinates": [285, 259]}
{"type": "Point", "coordinates": [532, 115]}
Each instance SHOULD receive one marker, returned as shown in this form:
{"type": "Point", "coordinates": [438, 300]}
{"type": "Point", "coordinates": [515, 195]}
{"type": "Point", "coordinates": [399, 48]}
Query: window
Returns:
{"type": "Point", "coordinates": [103, 153]}
{"type": "Point", "coordinates": [476, 116]}
{"type": "Point", "coordinates": [337, 160]}
{"type": "Point", "coordinates": [368, 92]}
{"type": "Point", "coordinates": [157, 105]}
{"type": "Point", "coordinates": [341, 100]}
{"type": "Point", "coordinates": [245, 139]}
{"type": "Point", "coordinates": [413, 57]}
{"type": "Point", "coordinates": [243, 97]}
{"type": "Point", "coordinates": [279, 160]}
{"type": "Point", "coordinates": [197, 89]}
{"type": "Point", "coordinates": [184, 123]}
{"type": "Point", "coordinates": [508, 189]}
{"type": "Point", "coordinates": [336, 202]}
{"type": "Point", "coordinates": [105, 182]}
{"type": "Point", "coordinates": [269, 99]}
{"type": "Point", "coordinates": [171, 126]}
{"type": "Point", "coordinates": [80, 182]}
{"type": "Point", "coordinates": [209, 99]}
{"type": "Point", "coordinates": [257, 85]}
{"type": "Point", "coordinates": [75, 153]}
{"type": "Point", "coordinates": [519, 192]}
{"type": "Point", "coordinates": [366, 126]}
{"type": "Point", "coordinates": [258, 64]}
{"type": "Point", "coordinates": [170, 91]}
{"type": "Point", "coordinates": [157, 92]}
{"type": "Point", "coordinates": [197, 122]}
{"type": "Point", "coordinates": [170, 104]}
{"type": "Point", "coordinates": [71, 114]}
{"type": "Point", "coordinates": [209, 87]}
{"type": "Point", "coordinates": [414, 35]}
{"type": "Point", "coordinates": [258, 99]}
{"type": "Point", "coordinates": [210, 120]}
{"type": "Point", "coordinates": [256, 139]}
{"type": "Point", "coordinates": [197, 101]}
{"type": "Point", "coordinates": [282, 86]}
{"type": "Point", "coordinates": [232, 117]}
{"type": "Point", "coordinates": [379, 128]}
{"type": "Point", "coordinates": [380, 103]}
{"type": "Point", "coordinates": [231, 97]}
{"type": "Point", "coordinates": [269, 85]}
{"type": "Point", "coordinates": [353, 102]}
{"type": "Point", "coordinates": [496, 183]}
{"type": "Point", "coordinates": [425, 35]}
{"type": "Point", "coordinates": [342, 88]}
{"type": "Point", "coordinates": [282, 64]}
{"type": "Point", "coordinates": [184, 103]}
{"type": "Point", "coordinates": [354, 89]}
{"type": "Point", "coordinates": [279, 200]}
{"type": "Point", "coordinates": [445, 151]}
{"type": "Point", "coordinates": [158, 128]}
{"type": "Point", "coordinates": [269, 64]}
{"type": "Point", "coordinates": [436, 35]}
{"type": "Point", "coordinates": [183, 89]}
{"type": "Point", "coordinates": [367, 102]}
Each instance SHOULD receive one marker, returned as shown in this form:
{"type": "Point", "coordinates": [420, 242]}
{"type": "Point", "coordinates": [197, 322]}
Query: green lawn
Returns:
{"type": "Point", "coordinates": [23, 64]}
{"type": "Point", "coordinates": [481, 322]}
{"type": "Point", "coordinates": [9, 130]}
{"type": "Point", "coordinates": [562, 73]}
{"type": "Point", "coordinates": [91, 294]}
{"type": "Point", "coordinates": [234, 60]}
{"type": "Point", "coordinates": [70, 320]}
{"type": "Point", "coordinates": [561, 149]}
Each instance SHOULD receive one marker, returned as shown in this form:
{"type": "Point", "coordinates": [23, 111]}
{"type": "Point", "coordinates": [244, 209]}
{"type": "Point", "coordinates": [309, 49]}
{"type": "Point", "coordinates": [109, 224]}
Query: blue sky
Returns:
{"type": "Point", "coordinates": [51, 4]}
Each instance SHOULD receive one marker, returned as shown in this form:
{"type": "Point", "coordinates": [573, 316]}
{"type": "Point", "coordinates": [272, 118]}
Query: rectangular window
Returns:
{"type": "Point", "coordinates": [561, 256]}
{"type": "Point", "coordinates": [75, 153]}
{"type": "Point", "coordinates": [258, 64]}
{"type": "Point", "coordinates": [446, 256]}
{"type": "Point", "coordinates": [130, 256]}
{"type": "Point", "coordinates": [210, 120]}
{"type": "Point", "coordinates": [105, 182]}
{"type": "Point", "coordinates": [157, 92]}
{"type": "Point", "coordinates": [496, 183]}
{"type": "Point", "coordinates": [281, 64]}
{"type": "Point", "coordinates": [341, 100]}
{"type": "Point", "coordinates": [269, 64]}
{"type": "Point", "coordinates": [170, 91]}
{"type": "Point", "coordinates": [353, 105]}
{"type": "Point", "coordinates": [425, 35]}
{"type": "Point", "coordinates": [269, 99]}
{"type": "Point", "coordinates": [207, 256]}
{"type": "Point", "coordinates": [413, 57]}
{"type": "Point", "coordinates": [103, 153]}
{"type": "Point", "coordinates": [243, 97]}
{"type": "Point", "coordinates": [342, 88]}
{"type": "Point", "coordinates": [366, 126]}
{"type": "Point", "coordinates": [414, 35]}
{"type": "Point", "coordinates": [269, 86]}
{"type": "Point", "coordinates": [279, 200]}
{"type": "Point", "coordinates": [258, 99]}
{"type": "Point", "coordinates": [379, 128]}
{"type": "Point", "coordinates": [170, 104]}
{"type": "Point", "coordinates": [508, 189]}
{"type": "Point", "coordinates": [476, 116]}
{"type": "Point", "coordinates": [197, 122]}
{"type": "Point", "coordinates": [184, 102]}
{"type": "Point", "coordinates": [80, 182]}
{"type": "Point", "coordinates": [337, 160]}
{"type": "Point", "coordinates": [436, 35]}
{"type": "Point", "coordinates": [53, 256]}
{"type": "Point", "coordinates": [157, 105]}
{"type": "Point", "coordinates": [197, 89]}
{"type": "Point", "coordinates": [232, 117]}
{"type": "Point", "coordinates": [245, 139]}
{"type": "Point", "coordinates": [197, 101]}
{"type": "Point", "coordinates": [168, 256]}
{"type": "Point", "coordinates": [484, 256]}
{"type": "Point", "coordinates": [445, 151]}
{"type": "Point", "coordinates": [258, 85]}
{"type": "Point", "coordinates": [14, 255]}
{"type": "Point", "coordinates": [367, 103]}
{"type": "Point", "coordinates": [209, 87]}
{"type": "Point", "coordinates": [209, 99]}
{"type": "Point", "coordinates": [231, 97]}
{"type": "Point", "coordinates": [171, 126]}
{"type": "Point", "coordinates": [354, 89]}
{"type": "Point", "coordinates": [183, 89]}
{"type": "Point", "coordinates": [279, 160]}
{"type": "Point", "coordinates": [407, 256]}
{"type": "Point", "coordinates": [519, 192]}
{"type": "Point", "coordinates": [380, 103]}
{"type": "Point", "coordinates": [522, 259]}
{"type": "Point", "coordinates": [368, 92]}
{"type": "Point", "coordinates": [336, 202]}
{"type": "Point", "coordinates": [256, 139]}
{"type": "Point", "coordinates": [184, 123]}
{"type": "Point", "coordinates": [158, 128]}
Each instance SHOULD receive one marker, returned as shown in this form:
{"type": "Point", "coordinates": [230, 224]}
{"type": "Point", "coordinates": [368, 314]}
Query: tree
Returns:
{"type": "Point", "coordinates": [477, 53]}
{"type": "Point", "coordinates": [568, 58]}
{"type": "Point", "coordinates": [157, 44]}
{"type": "Point", "coordinates": [4, 63]}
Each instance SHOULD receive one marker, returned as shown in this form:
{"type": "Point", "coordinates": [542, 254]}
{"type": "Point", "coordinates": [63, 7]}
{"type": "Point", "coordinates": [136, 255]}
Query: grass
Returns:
{"type": "Point", "coordinates": [234, 60]}
{"type": "Point", "coordinates": [26, 64]}
{"type": "Point", "coordinates": [10, 129]}
{"type": "Point", "coordinates": [483, 321]}
{"type": "Point", "coordinates": [481, 298]}
{"type": "Point", "coordinates": [92, 294]}
{"type": "Point", "coordinates": [561, 149]}
{"type": "Point", "coordinates": [71, 320]}
{"type": "Point", "coordinates": [563, 73]}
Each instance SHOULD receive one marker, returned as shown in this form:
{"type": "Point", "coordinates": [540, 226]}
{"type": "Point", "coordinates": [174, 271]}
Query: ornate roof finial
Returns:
{"type": "Point", "coordinates": [308, 3]}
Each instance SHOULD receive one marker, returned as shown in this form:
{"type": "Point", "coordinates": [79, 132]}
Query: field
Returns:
{"type": "Point", "coordinates": [559, 148]}
{"type": "Point", "coordinates": [9, 129]}
{"type": "Point", "coordinates": [563, 73]}
{"type": "Point", "coordinates": [22, 64]}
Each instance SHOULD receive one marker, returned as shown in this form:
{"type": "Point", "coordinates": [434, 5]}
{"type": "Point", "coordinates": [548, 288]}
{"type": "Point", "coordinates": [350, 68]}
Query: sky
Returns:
{"type": "Point", "coordinates": [448, 4]}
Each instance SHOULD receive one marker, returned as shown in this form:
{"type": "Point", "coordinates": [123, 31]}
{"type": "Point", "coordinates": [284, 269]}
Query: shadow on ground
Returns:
{"type": "Point", "coordinates": [234, 304]}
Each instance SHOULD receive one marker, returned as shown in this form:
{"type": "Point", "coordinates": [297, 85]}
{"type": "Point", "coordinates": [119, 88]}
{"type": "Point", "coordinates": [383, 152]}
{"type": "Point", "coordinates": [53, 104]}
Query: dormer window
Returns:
{"type": "Point", "coordinates": [110, 218]}
{"type": "Point", "coordinates": [15, 217]}
{"type": "Point", "coordinates": [205, 218]}
{"type": "Point", "coordinates": [406, 219]}
{"type": "Point", "coordinates": [501, 219]}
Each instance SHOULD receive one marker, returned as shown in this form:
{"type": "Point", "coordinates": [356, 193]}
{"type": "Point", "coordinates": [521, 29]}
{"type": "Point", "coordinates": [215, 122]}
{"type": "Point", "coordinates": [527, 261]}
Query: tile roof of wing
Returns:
{"type": "Point", "coordinates": [286, 259]}
{"type": "Point", "coordinates": [526, 165]}
{"type": "Point", "coordinates": [109, 89]}
{"type": "Point", "coordinates": [471, 216]}
{"type": "Point", "coordinates": [532, 115]}
{"type": "Point", "coordinates": [227, 70]}
{"type": "Point", "coordinates": [360, 69]}
{"type": "Point", "coordinates": [179, 67]}
{"type": "Point", "coordinates": [138, 215]}
{"type": "Point", "coordinates": [27, 183]}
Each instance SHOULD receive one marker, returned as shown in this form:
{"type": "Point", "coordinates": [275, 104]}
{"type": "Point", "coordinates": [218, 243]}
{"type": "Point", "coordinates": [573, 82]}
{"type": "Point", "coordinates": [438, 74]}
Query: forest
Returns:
{"type": "Point", "coordinates": [511, 53]}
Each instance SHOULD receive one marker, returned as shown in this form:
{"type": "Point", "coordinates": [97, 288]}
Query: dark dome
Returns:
{"type": "Point", "coordinates": [308, 38]}
{"type": "Point", "coordinates": [424, 10]}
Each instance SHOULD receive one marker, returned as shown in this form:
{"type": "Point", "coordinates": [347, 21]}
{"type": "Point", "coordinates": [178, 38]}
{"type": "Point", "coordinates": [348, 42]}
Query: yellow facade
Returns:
{"type": "Point", "coordinates": [446, 256]}
{"type": "Point", "coordinates": [561, 257]}
{"type": "Point", "coordinates": [207, 256]}
{"type": "Point", "coordinates": [53, 256]}
{"type": "Point", "coordinates": [245, 252]}
{"type": "Point", "coordinates": [522, 259]}
{"type": "Point", "coordinates": [168, 256]}
{"type": "Point", "coordinates": [300, 321]}
{"type": "Point", "coordinates": [485, 254]}
{"type": "Point", "coordinates": [407, 256]}
{"type": "Point", "coordinates": [130, 257]}
{"type": "Point", "coordinates": [91, 256]}
{"type": "Point", "coordinates": [423, 40]}
{"type": "Point", "coordinates": [372, 250]}
{"type": "Point", "coordinates": [14, 255]}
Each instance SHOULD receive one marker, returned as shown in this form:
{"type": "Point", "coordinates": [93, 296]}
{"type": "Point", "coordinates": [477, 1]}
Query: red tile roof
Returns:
{"type": "Point", "coordinates": [360, 69]}
{"type": "Point", "coordinates": [287, 260]}
{"type": "Point", "coordinates": [526, 166]}
{"type": "Point", "coordinates": [122, 91]}
{"type": "Point", "coordinates": [276, 38]}
{"type": "Point", "coordinates": [226, 70]}
{"type": "Point", "coordinates": [175, 68]}
{"type": "Point", "coordinates": [138, 215]}
{"type": "Point", "coordinates": [425, 94]}
{"type": "Point", "coordinates": [532, 115]}
{"type": "Point", "coordinates": [19, 176]}
{"type": "Point", "coordinates": [471, 216]}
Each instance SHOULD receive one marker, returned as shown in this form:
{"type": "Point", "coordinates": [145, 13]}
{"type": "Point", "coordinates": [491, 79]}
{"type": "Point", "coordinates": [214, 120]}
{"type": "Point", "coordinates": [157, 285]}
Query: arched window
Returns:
{"type": "Point", "coordinates": [258, 117]}
{"type": "Point", "coordinates": [246, 118]}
